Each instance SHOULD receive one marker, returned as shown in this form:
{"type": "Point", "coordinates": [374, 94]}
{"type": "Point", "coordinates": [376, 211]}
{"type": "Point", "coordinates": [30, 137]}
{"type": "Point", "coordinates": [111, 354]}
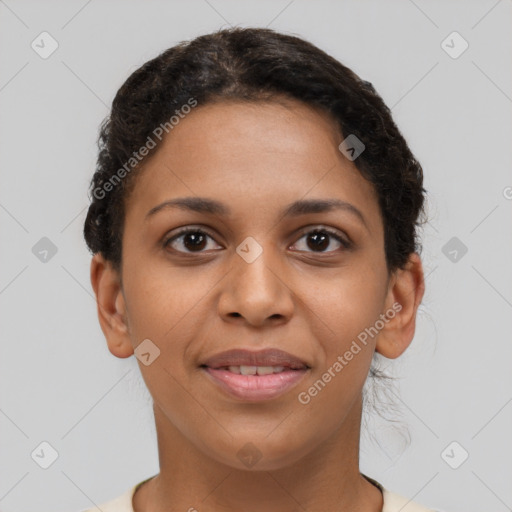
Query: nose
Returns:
{"type": "Point", "coordinates": [256, 292]}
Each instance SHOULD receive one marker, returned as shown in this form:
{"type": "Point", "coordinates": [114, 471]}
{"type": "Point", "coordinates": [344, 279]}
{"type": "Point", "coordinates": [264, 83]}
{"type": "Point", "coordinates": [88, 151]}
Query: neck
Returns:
{"type": "Point", "coordinates": [326, 478]}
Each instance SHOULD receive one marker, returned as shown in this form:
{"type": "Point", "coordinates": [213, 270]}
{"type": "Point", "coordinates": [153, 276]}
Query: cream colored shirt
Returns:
{"type": "Point", "coordinates": [392, 502]}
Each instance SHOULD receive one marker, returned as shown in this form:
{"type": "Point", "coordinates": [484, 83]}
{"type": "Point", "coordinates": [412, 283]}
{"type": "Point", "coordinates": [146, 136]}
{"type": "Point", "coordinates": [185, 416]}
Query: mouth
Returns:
{"type": "Point", "coordinates": [255, 376]}
{"type": "Point", "coordinates": [254, 370]}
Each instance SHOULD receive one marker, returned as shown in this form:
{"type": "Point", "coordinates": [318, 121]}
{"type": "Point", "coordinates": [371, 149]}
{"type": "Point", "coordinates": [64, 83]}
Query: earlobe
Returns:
{"type": "Point", "coordinates": [405, 293]}
{"type": "Point", "coordinates": [111, 306]}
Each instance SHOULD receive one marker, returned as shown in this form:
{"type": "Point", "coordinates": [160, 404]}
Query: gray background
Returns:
{"type": "Point", "coordinates": [59, 382]}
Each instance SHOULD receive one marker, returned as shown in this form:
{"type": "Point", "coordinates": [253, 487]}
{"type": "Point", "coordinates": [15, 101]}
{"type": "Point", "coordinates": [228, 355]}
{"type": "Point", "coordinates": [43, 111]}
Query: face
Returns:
{"type": "Point", "coordinates": [266, 265]}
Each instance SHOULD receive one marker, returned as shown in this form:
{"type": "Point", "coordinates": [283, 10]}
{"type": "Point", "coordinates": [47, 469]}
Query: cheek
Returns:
{"type": "Point", "coordinates": [342, 311]}
{"type": "Point", "coordinates": [164, 303]}
{"type": "Point", "coordinates": [348, 302]}
{"type": "Point", "coordinates": [163, 306]}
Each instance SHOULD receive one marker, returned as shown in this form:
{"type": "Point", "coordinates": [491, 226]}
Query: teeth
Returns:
{"type": "Point", "coordinates": [248, 370]}
{"type": "Point", "coordinates": [265, 370]}
{"type": "Point", "coordinates": [255, 370]}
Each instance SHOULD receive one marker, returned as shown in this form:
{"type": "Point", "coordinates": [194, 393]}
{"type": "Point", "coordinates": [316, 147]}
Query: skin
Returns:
{"type": "Point", "coordinates": [256, 158]}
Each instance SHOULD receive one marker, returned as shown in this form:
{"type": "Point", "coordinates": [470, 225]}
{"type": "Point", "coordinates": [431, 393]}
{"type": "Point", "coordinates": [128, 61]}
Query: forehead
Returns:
{"type": "Point", "coordinates": [252, 155]}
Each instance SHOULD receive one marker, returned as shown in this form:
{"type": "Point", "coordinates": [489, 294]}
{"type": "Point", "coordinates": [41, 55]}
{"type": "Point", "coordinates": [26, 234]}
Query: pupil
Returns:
{"type": "Point", "coordinates": [319, 237]}
{"type": "Point", "coordinates": [196, 240]}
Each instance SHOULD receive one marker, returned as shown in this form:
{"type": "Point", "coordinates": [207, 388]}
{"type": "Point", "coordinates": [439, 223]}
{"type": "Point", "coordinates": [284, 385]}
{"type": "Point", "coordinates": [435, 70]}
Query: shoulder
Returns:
{"type": "Point", "coordinates": [123, 503]}
{"type": "Point", "coordinates": [393, 502]}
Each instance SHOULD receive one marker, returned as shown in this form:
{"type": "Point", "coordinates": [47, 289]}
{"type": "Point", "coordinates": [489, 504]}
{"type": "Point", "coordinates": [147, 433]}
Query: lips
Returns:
{"type": "Point", "coordinates": [262, 358]}
{"type": "Point", "coordinates": [255, 376]}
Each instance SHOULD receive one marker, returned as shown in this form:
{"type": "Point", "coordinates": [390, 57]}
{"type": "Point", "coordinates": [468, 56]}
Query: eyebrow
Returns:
{"type": "Point", "coordinates": [301, 207]}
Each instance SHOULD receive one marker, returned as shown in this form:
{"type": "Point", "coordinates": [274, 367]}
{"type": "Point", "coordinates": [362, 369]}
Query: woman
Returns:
{"type": "Point", "coordinates": [253, 229]}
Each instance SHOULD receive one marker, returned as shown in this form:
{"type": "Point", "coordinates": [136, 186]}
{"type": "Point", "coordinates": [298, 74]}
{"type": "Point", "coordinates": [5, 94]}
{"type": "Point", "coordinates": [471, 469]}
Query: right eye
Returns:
{"type": "Point", "coordinates": [193, 239]}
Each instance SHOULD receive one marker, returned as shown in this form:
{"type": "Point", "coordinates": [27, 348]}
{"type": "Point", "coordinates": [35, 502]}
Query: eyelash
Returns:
{"type": "Point", "coordinates": [345, 243]}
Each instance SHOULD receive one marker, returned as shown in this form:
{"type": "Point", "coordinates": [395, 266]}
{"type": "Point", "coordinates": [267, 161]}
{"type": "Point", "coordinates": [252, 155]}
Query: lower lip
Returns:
{"type": "Point", "coordinates": [255, 387]}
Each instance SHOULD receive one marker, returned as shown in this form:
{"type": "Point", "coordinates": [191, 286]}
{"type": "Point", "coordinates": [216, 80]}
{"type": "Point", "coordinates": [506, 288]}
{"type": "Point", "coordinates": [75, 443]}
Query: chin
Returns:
{"type": "Point", "coordinates": [259, 453]}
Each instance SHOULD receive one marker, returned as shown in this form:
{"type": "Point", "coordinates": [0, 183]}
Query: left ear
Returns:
{"type": "Point", "coordinates": [406, 289]}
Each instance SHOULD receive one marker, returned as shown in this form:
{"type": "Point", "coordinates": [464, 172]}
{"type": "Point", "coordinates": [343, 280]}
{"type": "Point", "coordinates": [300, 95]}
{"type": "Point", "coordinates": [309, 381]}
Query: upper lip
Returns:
{"type": "Point", "coordinates": [267, 357]}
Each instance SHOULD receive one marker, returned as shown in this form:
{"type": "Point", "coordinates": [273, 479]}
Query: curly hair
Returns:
{"type": "Point", "coordinates": [254, 64]}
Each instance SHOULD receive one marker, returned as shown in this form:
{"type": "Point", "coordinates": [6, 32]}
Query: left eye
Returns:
{"type": "Point", "coordinates": [319, 240]}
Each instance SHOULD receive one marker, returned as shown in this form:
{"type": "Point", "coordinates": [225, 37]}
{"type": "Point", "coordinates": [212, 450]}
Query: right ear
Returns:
{"type": "Point", "coordinates": [111, 306]}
